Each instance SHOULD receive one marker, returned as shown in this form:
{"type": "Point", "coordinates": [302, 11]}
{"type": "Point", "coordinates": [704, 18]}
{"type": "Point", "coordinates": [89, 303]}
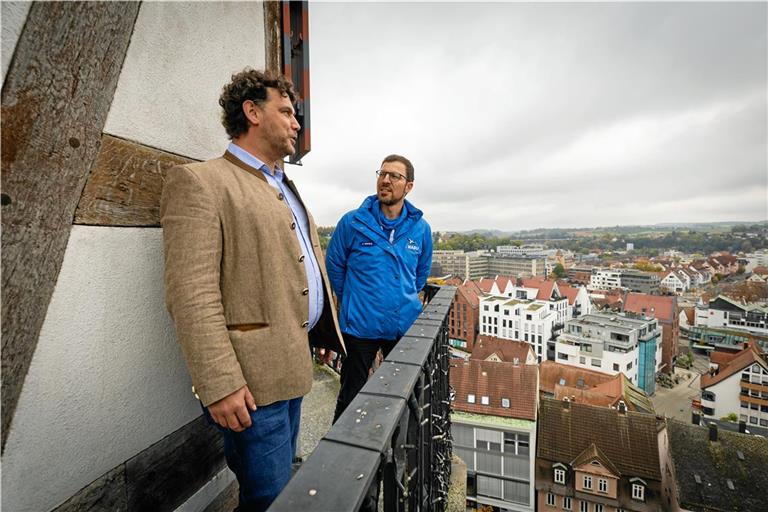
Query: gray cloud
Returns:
{"type": "Point", "coordinates": [519, 116]}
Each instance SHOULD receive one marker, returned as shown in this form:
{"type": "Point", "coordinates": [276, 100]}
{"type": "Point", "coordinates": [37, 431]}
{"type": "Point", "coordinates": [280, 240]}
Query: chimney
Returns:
{"type": "Point", "coordinates": [742, 427]}
{"type": "Point", "coordinates": [713, 432]}
{"type": "Point", "coordinates": [696, 418]}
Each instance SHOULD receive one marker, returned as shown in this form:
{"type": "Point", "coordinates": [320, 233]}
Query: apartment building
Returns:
{"type": "Point", "coordinates": [448, 262]}
{"type": "Point", "coordinates": [632, 280]}
{"type": "Point", "coordinates": [724, 312]}
{"type": "Point", "coordinates": [613, 343]}
{"type": "Point", "coordinates": [492, 264]}
{"type": "Point", "coordinates": [526, 320]}
{"type": "Point", "coordinates": [737, 383]}
{"type": "Point", "coordinates": [597, 459]}
{"type": "Point", "coordinates": [494, 431]}
{"type": "Point", "coordinates": [463, 316]}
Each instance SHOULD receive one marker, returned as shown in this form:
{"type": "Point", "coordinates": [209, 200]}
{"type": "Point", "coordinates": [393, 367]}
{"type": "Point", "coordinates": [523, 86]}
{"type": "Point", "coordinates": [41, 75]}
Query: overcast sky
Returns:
{"type": "Point", "coordinates": [519, 116]}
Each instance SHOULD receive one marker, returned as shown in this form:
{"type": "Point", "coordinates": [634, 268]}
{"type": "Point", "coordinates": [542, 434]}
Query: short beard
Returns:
{"type": "Point", "coordinates": [393, 200]}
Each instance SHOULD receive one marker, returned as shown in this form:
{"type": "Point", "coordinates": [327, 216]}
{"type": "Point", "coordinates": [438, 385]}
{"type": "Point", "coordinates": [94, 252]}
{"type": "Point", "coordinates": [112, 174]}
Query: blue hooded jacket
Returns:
{"type": "Point", "coordinates": [376, 281]}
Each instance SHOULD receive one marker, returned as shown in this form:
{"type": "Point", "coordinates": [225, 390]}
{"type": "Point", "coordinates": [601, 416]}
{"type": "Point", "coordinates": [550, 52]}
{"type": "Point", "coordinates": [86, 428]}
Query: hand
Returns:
{"type": "Point", "coordinates": [232, 410]}
{"type": "Point", "coordinates": [325, 356]}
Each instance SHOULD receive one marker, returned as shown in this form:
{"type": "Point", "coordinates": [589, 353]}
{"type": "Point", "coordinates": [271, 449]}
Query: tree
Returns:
{"type": "Point", "coordinates": [559, 271]}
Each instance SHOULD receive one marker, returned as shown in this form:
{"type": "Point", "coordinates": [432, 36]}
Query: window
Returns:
{"type": "Point", "coordinates": [582, 360]}
{"type": "Point", "coordinates": [638, 492]}
{"type": "Point", "coordinates": [629, 365]}
{"type": "Point", "coordinates": [566, 503]}
{"type": "Point", "coordinates": [616, 367]}
{"type": "Point", "coordinates": [598, 507]}
{"type": "Point", "coordinates": [485, 308]}
{"type": "Point", "coordinates": [596, 362]}
{"type": "Point", "coordinates": [471, 399]}
{"type": "Point", "coordinates": [505, 402]}
{"type": "Point", "coordinates": [561, 355]}
{"type": "Point", "coordinates": [587, 482]}
{"type": "Point", "coordinates": [550, 499]}
{"type": "Point", "coordinates": [584, 506]}
{"type": "Point", "coordinates": [602, 485]}
{"type": "Point", "coordinates": [484, 400]}
{"type": "Point", "coordinates": [559, 476]}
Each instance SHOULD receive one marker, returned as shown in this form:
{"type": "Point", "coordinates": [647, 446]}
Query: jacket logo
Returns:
{"type": "Point", "coordinates": [412, 246]}
{"type": "Point", "coordinates": [366, 244]}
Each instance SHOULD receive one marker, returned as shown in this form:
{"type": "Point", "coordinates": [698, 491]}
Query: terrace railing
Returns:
{"type": "Point", "coordinates": [396, 433]}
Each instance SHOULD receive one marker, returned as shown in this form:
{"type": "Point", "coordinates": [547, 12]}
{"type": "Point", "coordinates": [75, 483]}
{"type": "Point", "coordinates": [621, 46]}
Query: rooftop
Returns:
{"type": "Point", "coordinates": [629, 439]}
{"type": "Point", "coordinates": [703, 469]}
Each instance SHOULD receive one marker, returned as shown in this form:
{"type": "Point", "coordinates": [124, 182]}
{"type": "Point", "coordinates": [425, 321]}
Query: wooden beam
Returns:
{"type": "Point", "coordinates": [55, 102]}
{"type": "Point", "coordinates": [125, 184]}
{"type": "Point", "coordinates": [273, 33]}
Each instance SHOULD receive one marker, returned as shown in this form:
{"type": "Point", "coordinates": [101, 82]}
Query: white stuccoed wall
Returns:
{"type": "Point", "coordinates": [181, 54]}
{"type": "Point", "coordinates": [107, 379]}
{"type": "Point", "coordinates": [13, 14]}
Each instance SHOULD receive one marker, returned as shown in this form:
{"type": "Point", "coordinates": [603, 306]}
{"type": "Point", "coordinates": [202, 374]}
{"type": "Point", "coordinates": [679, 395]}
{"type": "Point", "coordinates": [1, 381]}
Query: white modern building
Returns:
{"type": "Point", "coordinates": [518, 319]}
{"type": "Point", "coordinates": [737, 384]}
{"type": "Point", "coordinates": [612, 344]}
{"type": "Point", "coordinates": [725, 313]}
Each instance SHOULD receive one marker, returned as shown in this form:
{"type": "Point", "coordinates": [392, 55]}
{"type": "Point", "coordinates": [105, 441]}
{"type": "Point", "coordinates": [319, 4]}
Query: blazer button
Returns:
{"type": "Point", "coordinates": [301, 258]}
{"type": "Point", "coordinates": [304, 324]}
{"type": "Point", "coordinates": [305, 291]}
{"type": "Point", "coordinates": [293, 225]}
{"type": "Point", "coordinates": [280, 196]}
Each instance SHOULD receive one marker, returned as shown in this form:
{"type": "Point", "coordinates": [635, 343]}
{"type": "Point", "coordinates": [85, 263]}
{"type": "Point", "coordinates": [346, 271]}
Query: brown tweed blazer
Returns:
{"type": "Point", "coordinates": [235, 283]}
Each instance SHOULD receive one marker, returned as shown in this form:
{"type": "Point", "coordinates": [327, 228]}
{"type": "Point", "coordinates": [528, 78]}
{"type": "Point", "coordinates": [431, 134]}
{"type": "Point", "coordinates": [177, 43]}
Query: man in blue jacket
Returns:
{"type": "Point", "coordinates": [378, 261]}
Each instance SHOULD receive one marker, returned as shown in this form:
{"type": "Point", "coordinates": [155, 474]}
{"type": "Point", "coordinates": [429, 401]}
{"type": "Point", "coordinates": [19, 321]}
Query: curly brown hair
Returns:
{"type": "Point", "coordinates": [407, 163]}
{"type": "Point", "coordinates": [249, 84]}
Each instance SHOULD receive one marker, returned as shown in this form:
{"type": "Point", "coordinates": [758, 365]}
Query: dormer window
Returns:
{"type": "Point", "coordinates": [559, 476]}
{"type": "Point", "coordinates": [638, 489]}
{"type": "Point", "coordinates": [471, 399]}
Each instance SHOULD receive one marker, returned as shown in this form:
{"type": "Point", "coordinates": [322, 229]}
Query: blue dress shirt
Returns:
{"type": "Point", "coordinates": [314, 278]}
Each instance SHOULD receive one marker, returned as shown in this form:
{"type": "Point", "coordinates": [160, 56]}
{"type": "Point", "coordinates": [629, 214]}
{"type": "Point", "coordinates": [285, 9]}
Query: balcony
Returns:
{"type": "Point", "coordinates": [395, 433]}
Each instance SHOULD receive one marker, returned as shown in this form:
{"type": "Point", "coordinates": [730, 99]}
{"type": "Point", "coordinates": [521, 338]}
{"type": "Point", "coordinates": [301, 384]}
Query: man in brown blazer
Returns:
{"type": "Point", "coordinates": [246, 284]}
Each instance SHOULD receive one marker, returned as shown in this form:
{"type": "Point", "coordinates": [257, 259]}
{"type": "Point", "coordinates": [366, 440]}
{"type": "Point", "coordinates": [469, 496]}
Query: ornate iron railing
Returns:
{"type": "Point", "coordinates": [396, 432]}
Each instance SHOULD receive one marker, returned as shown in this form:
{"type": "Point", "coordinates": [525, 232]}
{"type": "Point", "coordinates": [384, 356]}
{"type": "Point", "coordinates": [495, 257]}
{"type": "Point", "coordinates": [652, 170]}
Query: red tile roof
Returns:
{"type": "Point", "coordinates": [506, 350]}
{"type": "Point", "coordinates": [760, 270]}
{"type": "Point", "coordinates": [518, 383]}
{"type": "Point", "coordinates": [485, 284]}
{"type": "Point", "coordinates": [568, 292]}
{"type": "Point", "coordinates": [742, 360]}
{"type": "Point", "coordinates": [551, 372]}
{"type": "Point", "coordinates": [720, 358]}
{"type": "Point", "coordinates": [656, 306]}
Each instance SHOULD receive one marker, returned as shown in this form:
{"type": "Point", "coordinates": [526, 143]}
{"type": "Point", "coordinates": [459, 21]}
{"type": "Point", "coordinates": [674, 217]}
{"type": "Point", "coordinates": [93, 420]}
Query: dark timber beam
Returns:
{"type": "Point", "coordinates": [125, 185]}
{"type": "Point", "coordinates": [273, 32]}
{"type": "Point", "coordinates": [54, 105]}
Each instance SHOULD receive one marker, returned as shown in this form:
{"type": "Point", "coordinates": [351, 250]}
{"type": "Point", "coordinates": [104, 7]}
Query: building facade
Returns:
{"type": "Point", "coordinates": [664, 309]}
{"type": "Point", "coordinates": [494, 431]}
{"type": "Point", "coordinates": [738, 385]}
{"type": "Point", "coordinates": [725, 313]}
{"type": "Point", "coordinates": [518, 319]}
{"type": "Point", "coordinates": [612, 344]}
{"type": "Point", "coordinates": [596, 459]}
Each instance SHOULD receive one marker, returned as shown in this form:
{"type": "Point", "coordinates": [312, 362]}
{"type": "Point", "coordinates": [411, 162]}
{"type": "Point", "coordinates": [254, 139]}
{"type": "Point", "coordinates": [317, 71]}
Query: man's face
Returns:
{"type": "Point", "coordinates": [279, 128]}
{"type": "Point", "coordinates": [391, 186]}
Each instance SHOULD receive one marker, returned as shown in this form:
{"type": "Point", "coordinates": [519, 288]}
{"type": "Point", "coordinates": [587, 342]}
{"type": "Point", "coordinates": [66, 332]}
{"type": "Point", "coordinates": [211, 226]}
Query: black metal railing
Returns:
{"type": "Point", "coordinates": [396, 432]}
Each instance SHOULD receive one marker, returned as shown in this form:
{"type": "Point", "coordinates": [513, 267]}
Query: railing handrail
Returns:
{"type": "Point", "coordinates": [397, 430]}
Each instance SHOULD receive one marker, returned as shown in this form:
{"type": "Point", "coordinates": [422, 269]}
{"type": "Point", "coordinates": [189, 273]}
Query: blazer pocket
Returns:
{"type": "Point", "coordinates": [247, 327]}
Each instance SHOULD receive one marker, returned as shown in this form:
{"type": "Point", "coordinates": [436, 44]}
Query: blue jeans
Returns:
{"type": "Point", "coordinates": [261, 455]}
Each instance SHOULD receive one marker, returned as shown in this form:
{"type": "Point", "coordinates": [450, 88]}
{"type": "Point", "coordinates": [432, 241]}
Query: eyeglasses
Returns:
{"type": "Point", "coordinates": [393, 176]}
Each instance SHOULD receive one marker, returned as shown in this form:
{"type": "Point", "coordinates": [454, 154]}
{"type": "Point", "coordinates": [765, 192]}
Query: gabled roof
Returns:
{"type": "Point", "coordinates": [485, 284]}
{"type": "Point", "coordinates": [703, 469]}
{"type": "Point", "coordinates": [721, 358]}
{"type": "Point", "coordinates": [663, 308]}
{"type": "Point", "coordinates": [591, 387]}
{"type": "Point", "coordinates": [592, 452]}
{"type": "Point", "coordinates": [501, 282]}
{"type": "Point", "coordinates": [743, 359]}
{"type": "Point", "coordinates": [629, 440]}
{"type": "Point", "coordinates": [469, 293]}
{"type": "Point", "coordinates": [517, 383]}
{"type": "Point", "coordinates": [569, 292]}
{"type": "Point", "coordinates": [506, 350]}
